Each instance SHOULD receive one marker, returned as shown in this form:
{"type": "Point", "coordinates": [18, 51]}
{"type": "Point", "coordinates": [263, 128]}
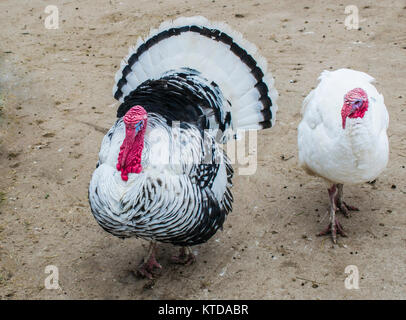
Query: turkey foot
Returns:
{"type": "Point", "coordinates": [147, 267]}
{"type": "Point", "coordinates": [344, 207]}
{"type": "Point", "coordinates": [185, 257]}
{"type": "Point", "coordinates": [333, 228]}
{"type": "Point", "coordinates": [334, 225]}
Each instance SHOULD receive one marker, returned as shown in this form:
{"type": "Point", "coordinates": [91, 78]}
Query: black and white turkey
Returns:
{"type": "Point", "coordinates": [162, 175]}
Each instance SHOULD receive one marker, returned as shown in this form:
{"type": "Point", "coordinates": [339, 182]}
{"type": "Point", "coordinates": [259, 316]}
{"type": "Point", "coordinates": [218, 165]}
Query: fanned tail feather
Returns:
{"type": "Point", "coordinates": [220, 54]}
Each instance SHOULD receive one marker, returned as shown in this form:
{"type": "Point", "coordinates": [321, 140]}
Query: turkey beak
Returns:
{"type": "Point", "coordinates": [355, 105]}
{"type": "Point", "coordinates": [349, 109]}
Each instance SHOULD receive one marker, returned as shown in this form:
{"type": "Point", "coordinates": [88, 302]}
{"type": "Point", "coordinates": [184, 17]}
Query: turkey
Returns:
{"type": "Point", "coordinates": [162, 175]}
{"type": "Point", "coordinates": [342, 136]}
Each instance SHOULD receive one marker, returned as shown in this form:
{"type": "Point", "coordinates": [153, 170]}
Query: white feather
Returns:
{"type": "Point", "coordinates": [355, 154]}
{"type": "Point", "coordinates": [213, 59]}
{"type": "Point", "coordinates": [169, 156]}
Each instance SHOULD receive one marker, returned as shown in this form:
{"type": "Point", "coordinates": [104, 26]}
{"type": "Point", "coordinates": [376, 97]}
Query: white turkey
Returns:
{"type": "Point", "coordinates": [342, 136]}
{"type": "Point", "coordinates": [162, 175]}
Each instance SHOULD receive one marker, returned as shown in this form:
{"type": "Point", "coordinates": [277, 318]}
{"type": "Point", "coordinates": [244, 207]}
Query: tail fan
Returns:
{"type": "Point", "coordinates": [220, 54]}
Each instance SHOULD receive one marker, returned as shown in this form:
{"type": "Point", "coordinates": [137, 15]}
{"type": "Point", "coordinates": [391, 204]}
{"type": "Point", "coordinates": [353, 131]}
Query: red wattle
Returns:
{"type": "Point", "coordinates": [129, 158]}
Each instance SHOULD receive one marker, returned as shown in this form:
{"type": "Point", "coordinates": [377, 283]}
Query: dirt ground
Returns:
{"type": "Point", "coordinates": [56, 102]}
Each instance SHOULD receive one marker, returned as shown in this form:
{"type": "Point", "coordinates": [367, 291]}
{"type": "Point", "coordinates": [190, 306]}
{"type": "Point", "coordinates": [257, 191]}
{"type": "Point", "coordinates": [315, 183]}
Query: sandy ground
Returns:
{"type": "Point", "coordinates": [56, 101]}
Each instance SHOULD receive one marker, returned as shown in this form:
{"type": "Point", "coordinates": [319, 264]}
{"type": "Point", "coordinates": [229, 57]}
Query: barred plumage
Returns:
{"type": "Point", "coordinates": [177, 198]}
{"type": "Point", "coordinates": [195, 81]}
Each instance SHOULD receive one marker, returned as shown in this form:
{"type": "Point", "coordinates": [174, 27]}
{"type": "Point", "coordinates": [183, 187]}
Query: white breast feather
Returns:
{"type": "Point", "coordinates": [357, 154]}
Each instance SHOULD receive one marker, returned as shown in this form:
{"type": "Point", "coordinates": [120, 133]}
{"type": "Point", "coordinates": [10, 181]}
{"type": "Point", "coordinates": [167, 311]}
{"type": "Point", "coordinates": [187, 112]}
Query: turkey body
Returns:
{"type": "Point", "coordinates": [182, 195]}
{"type": "Point", "coordinates": [195, 82]}
{"type": "Point", "coordinates": [354, 155]}
{"type": "Point", "coordinates": [342, 136]}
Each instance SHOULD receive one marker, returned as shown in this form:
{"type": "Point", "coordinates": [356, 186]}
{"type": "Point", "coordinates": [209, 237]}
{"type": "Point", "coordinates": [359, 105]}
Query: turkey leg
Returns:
{"type": "Point", "coordinates": [334, 225]}
{"type": "Point", "coordinates": [344, 208]}
{"type": "Point", "coordinates": [147, 266]}
{"type": "Point", "coordinates": [185, 256]}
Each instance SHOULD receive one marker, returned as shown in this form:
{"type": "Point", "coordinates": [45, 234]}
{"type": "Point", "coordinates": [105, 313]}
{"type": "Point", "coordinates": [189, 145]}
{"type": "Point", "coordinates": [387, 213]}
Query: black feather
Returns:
{"type": "Point", "coordinates": [215, 35]}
